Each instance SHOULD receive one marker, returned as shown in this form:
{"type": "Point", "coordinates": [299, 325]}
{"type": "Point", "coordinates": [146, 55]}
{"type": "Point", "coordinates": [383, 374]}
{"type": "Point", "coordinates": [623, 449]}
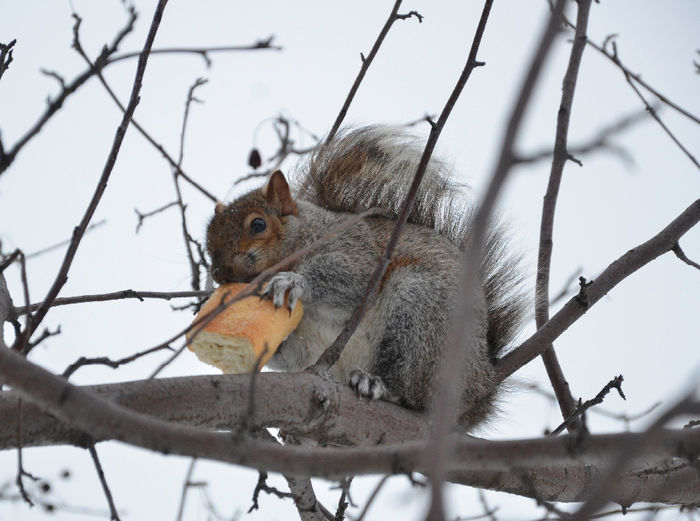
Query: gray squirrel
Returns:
{"type": "Point", "coordinates": [394, 354]}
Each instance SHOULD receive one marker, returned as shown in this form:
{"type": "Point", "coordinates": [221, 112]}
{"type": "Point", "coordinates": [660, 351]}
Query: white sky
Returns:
{"type": "Point", "coordinates": [646, 329]}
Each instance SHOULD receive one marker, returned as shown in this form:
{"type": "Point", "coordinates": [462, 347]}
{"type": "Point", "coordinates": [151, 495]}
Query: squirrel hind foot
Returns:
{"type": "Point", "coordinates": [371, 386]}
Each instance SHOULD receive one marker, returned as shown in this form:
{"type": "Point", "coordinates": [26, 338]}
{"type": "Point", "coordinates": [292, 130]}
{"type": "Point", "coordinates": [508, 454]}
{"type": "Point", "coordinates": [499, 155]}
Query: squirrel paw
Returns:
{"type": "Point", "coordinates": [367, 385]}
{"type": "Point", "coordinates": [280, 284]}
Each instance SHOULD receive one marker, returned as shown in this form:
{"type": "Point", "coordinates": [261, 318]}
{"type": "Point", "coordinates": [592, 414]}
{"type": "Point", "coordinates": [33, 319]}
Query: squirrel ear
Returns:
{"type": "Point", "coordinates": [219, 208]}
{"type": "Point", "coordinates": [278, 194]}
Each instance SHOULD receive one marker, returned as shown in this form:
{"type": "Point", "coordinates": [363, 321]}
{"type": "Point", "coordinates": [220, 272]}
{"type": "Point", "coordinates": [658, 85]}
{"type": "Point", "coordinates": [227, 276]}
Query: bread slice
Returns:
{"type": "Point", "coordinates": [245, 332]}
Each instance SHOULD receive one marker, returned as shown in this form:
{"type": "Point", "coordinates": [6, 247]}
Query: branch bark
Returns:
{"type": "Point", "coordinates": [207, 400]}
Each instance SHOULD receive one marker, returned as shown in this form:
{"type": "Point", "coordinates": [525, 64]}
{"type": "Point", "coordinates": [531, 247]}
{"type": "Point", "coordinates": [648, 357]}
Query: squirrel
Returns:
{"type": "Point", "coordinates": [394, 354]}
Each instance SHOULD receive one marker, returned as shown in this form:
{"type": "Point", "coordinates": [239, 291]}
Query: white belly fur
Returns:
{"type": "Point", "coordinates": [320, 327]}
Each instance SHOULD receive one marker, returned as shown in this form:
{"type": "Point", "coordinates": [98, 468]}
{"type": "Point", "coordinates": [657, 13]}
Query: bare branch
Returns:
{"type": "Point", "coordinates": [94, 67]}
{"type": "Point", "coordinates": [627, 264]}
{"type": "Point", "coordinates": [143, 216]}
{"type": "Point", "coordinates": [479, 459]}
{"type": "Point", "coordinates": [366, 62]}
{"type": "Point", "coordinates": [56, 103]}
{"type": "Point", "coordinates": [681, 255]}
{"type": "Point", "coordinates": [185, 487]}
{"type": "Point", "coordinates": [79, 230]}
{"type": "Point", "coordinates": [103, 360]}
{"type": "Point", "coordinates": [204, 52]}
{"type": "Point", "coordinates": [598, 399]}
{"type": "Point", "coordinates": [118, 295]}
{"type": "Point", "coordinates": [544, 258]}
{"type": "Point", "coordinates": [114, 516]}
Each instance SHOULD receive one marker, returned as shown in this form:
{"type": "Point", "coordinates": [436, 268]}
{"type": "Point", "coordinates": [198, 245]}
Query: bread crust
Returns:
{"type": "Point", "coordinates": [245, 332]}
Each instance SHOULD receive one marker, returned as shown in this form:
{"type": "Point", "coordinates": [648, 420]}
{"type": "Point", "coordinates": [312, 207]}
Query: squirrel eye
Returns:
{"type": "Point", "coordinates": [257, 225]}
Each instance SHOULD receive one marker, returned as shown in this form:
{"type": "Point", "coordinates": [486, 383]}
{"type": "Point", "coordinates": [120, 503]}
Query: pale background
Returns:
{"type": "Point", "coordinates": [646, 329]}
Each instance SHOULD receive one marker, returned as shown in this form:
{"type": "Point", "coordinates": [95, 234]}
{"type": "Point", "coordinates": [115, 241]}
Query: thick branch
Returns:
{"type": "Point", "coordinates": [103, 418]}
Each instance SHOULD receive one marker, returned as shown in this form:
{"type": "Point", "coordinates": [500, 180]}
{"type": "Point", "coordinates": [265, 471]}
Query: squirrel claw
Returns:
{"type": "Point", "coordinates": [367, 385]}
{"type": "Point", "coordinates": [284, 283]}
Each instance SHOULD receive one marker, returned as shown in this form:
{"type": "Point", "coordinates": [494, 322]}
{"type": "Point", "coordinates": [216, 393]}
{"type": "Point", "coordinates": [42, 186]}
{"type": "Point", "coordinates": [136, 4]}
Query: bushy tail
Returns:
{"type": "Point", "coordinates": [373, 167]}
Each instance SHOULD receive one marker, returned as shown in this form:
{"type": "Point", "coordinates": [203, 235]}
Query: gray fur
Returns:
{"type": "Point", "coordinates": [394, 354]}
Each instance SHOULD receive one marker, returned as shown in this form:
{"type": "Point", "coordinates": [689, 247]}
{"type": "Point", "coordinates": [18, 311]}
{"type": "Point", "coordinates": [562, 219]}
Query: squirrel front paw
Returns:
{"type": "Point", "coordinates": [368, 385]}
{"type": "Point", "coordinates": [283, 282]}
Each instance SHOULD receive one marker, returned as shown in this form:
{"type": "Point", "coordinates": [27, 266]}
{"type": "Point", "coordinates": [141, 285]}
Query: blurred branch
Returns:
{"type": "Point", "coordinates": [599, 141]}
{"type": "Point", "coordinates": [62, 243]}
{"type": "Point", "coordinates": [633, 79]}
{"type": "Point", "coordinates": [463, 320]}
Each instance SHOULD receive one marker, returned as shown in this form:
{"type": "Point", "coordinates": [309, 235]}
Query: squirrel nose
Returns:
{"type": "Point", "coordinates": [226, 273]}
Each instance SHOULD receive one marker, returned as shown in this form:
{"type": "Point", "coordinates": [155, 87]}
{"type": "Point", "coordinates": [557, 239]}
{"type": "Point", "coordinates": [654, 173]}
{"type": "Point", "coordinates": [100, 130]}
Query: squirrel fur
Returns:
{"type": "Point", "coordinates": [395, 352]}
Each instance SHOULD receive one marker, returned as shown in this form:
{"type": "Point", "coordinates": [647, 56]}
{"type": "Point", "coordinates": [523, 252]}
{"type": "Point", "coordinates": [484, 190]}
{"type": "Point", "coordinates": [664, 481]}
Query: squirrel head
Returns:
{"type": "Point", "coordinates": [247, 236]}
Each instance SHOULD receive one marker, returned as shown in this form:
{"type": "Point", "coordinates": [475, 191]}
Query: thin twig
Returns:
{"type": "Point", "coordinates": [544, 258]}
{"type": "Point", "coordinates": [117, 295]}
{"type": "Point", "coordinates": [143, 216]}
{"type": "Point", "coordinates": [204, 52]}
{"type": "Point", "coordinates": [63, 243]}
{"type": "Point", "coordinates": [79, 230]}
{"type": "Point", "coordinates": [21, 473]}
{"type": "Point", "coordinates": [366, 62]}
{"type": "Point", "coordinates": [57, 102]}
{"type": "Point", "coordinates": [103, 360]}
{"type": "Point", "coordinates": [372, 497]}
{"type": "Point", "coordinates": [194, 265]}
{"type": "Point", "coordinates": [185, 488]}
{"type": "Point", "coordinates": [682, 256]}
{"type": "Point", "coordinates": [114, 516]}
{"type": "Point", "coordinates": [97, 70]}
{"type": "Point", "coordinates": [598, 399]}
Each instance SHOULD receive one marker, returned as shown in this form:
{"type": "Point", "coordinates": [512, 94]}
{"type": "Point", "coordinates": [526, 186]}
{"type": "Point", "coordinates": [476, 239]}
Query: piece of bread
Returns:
{"type": "Point", "coordinates": [235, 339]}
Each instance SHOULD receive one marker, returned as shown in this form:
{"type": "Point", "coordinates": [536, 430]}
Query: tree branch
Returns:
{"type": "Point", "coordinates": [593, 291]}
{"type": "Point", "coordinates": [366, 62]}
{"type": "Point", "coordinates": [79, 230]}
{"type": "Point", "coordinates": [452, 363]}
{"type": "Point", "coordinates": [481, 460]}
{"type": "Point", "coordinates": [544, 258]}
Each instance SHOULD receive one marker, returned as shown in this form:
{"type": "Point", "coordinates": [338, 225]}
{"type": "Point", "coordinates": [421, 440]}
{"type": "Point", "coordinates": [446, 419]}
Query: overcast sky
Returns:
{"type": "Point", "coordinates": [646, 329]}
